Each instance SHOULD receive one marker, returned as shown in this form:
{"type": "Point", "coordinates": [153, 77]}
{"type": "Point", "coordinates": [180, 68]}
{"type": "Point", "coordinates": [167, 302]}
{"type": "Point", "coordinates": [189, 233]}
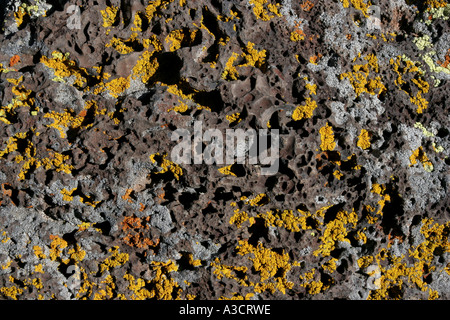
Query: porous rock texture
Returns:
{"type": "Point", "coordinates": [93, 207]}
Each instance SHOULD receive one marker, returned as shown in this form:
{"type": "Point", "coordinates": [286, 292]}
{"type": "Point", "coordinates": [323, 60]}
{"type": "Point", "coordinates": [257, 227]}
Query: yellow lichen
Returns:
{"type": "Point", "coordinates": [420, 155]}
{"type": "Point", "coordinates": [109, 16]}
{"type": "Point", "coordinates": [38, 252]}
{"type": "Point", "coordinates": [69, 196]}
{"type": "Point", "coordinates": [312, 286]}
{"type": "Point", "coordinates": [396, 274]}
{"type": "Point", "coordinates": [305, 111]}
{"type": "Point", "coordinates": [361, 236]}
{"type": "Point", "coordinates": [335, 231]}
{"type": "Point", "coordinates": [297, 36]}
{"type": "Point", "coordinates": [240, 217]}
{"type": "Point", "coordinates": [359, 5]}
{"type": "Point", "coordinates": [234, 118]}
{"type": "Point", "coordinates": [365, 261]}
{"type": "Point", "coordinates": [194, 262]}
{"type": "Point", "coordinates": [166, 165]}
{"type": "Point", "coordinates": [57, 161]}
{"type": "Point", "coordinates": [11, 292]}
{"type": "Point", "coordinates": [233, 15]}
{"type": "Point", "coordinates": [253, 57]}
{"type": "Point", "coordinates": [28, 155]}
{"type": "Point", "coordinates": [338, 174]}
{"type": "Point", "coordinates": [259, 200]}
{"type": "Point", "coordinates": [23, 98]}
{"type": "Point", "coordinates": [227, 170]}
{"type": "Point", "coordinates": [436, 240]}
{"type": "Point", "coordinates": [116, 259]}
{"type": "Point", "coordinates": [146, 67]}
{"type": "Point", "coordinates": [117, 86]}
{"type": "Point", "coordinates": [4, 238]}
{"type": "Point", "coordinates": [230, 72]}
{"type": "Point", "coordinates": [122, 46]}
{"type": "Point", "coordinates": [360, 80]}
{"type": "Point", "coordinates": [56, 247]}
{"type": "Point", "coordinates": [64, 120]}
{"type": "Point", "coordinates": [7, 265]}
{"type": "Point", "coordinates": [20, 15]}
{"type": "Point", "coordinates": [364, 139]}
{"type": "Point", "coordinates": [311, 88]}
{"type": "Point", "coordinates": [264, 11]}
{"type": "Point", "coordinates": [327, 138]}
{"type": "Point", "coordinates": [272, 267]}
{"type": "Point", "coordinates": [330, 265]}
{"type": "Point", "coordinates": [163, 287]}
{"type": "Point", "coordinates": [39, 268]}
{"type": "Point", "coordinates": [64, 68]}
{"type": "Point", "coordinates": [422, 86]}
{"type": "Point", "coordinates": [76, 254]}
{"type": "Point", "coordinates": [432, 4]}
{"type": "Point", "coordinates": [178, 38]}
{"type": "Point", "coordinates": [154, 7]}
{"type": "Point", "coordinates": [186, 100]}
{"type": "Point", "coordinates": [287, 219]}
{"type": "Point", "coordinates": [380, 190]}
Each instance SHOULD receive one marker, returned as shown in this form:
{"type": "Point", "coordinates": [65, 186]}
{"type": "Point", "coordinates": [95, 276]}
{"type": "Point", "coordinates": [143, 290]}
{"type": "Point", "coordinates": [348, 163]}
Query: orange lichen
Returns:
{"type": "Point", "coordinates": [307, 5]}
{"type": "Point", "coordinates": [127, 195]}
{"type": "Point", "coordinates": [446, 63]}
{"type": "Point", "coordinates": [14, 60]}
{"type": "Point", "coordinates": [133, 228]}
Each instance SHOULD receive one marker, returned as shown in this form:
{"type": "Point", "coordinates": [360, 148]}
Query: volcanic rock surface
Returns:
{"type": "Point", "coordinates": [93, 205]}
